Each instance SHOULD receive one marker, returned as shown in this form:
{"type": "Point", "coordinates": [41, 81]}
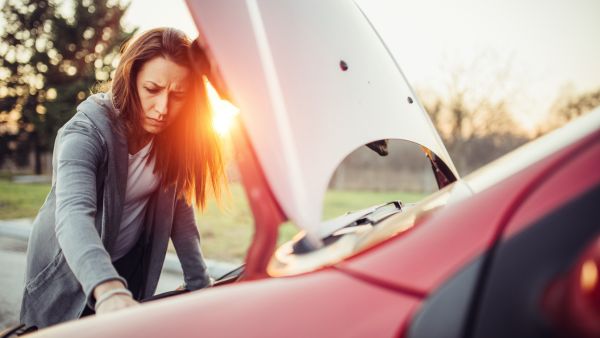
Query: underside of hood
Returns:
{"type": "Point", "coordinates": [313, 81]}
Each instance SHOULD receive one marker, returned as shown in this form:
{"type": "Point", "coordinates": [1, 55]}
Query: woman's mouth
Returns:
{"type": "Point", "coordinates": [156, 121]}
{"type": "Point", "coordinates": [155, 124]}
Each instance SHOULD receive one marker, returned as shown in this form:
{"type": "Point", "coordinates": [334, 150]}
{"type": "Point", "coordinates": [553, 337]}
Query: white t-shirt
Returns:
{"type": "Point", "coordinates": [141, 183]}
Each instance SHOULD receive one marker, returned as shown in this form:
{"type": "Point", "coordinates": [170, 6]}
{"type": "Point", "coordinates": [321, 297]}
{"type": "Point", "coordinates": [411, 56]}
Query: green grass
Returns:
{"type": "Point", "coordinates": [226, 233]}
{"type": "Point", "coordinates": [338, 202]}
{"type": "Point", "coordinates": [21, 200]}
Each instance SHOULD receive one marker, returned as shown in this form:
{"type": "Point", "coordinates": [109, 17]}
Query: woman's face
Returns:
{"type": "Point", "coordinates": [162, 87]}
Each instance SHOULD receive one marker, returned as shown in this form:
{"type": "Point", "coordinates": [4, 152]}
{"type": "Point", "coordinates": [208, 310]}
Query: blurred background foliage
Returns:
{"type": "Point", "coordinates": [52, 54]}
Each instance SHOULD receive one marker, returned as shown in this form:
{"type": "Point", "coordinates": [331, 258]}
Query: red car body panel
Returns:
{"type": "Point", "coordinates": [267, 213]}
{"type": "Point", "coordinates": [425, 256]}
{"type": "Point", "coordinates": [375, 293]}
{"type": "Point", "coordinates": [573, 178]}
{"type": "Point", "coordinates": [326, 303]}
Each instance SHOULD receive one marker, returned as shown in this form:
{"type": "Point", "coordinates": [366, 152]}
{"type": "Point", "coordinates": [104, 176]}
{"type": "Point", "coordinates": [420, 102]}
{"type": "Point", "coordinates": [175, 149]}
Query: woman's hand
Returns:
{"type": "Point", "coordinates": [114, 303]}
{"type": "Point", "coordinates": [108, 301]}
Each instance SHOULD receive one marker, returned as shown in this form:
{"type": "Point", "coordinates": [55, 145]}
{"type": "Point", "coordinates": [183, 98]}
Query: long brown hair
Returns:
{"type": "Point", "coordinates": [188, 153]}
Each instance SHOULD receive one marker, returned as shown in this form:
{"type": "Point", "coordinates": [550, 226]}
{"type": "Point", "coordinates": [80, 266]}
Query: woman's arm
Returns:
{"type": "Point", "coordinates": [80, 154]}
{"type": "Point", "coordinates": [186, 240]}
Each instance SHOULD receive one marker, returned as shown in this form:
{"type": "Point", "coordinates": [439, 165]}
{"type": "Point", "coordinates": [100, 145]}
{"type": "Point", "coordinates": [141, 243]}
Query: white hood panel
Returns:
{"type": "Point", "coordinates": [280, 60]}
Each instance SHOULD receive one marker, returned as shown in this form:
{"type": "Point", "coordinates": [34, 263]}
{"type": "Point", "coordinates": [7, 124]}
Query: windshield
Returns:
{"type": "Point", "coordinates": [402, 222]}
{"type": "Point", "coordinates": [365, 228]}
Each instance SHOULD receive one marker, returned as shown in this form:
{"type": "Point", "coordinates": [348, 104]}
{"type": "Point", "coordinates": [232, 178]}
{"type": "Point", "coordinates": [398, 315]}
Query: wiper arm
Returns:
{"type": "Point", "coordinates": [333, 229]}
{"type": "Point", "coordinates": [381, 213]}
{"type": "Point", "coordinates": [371, 215]}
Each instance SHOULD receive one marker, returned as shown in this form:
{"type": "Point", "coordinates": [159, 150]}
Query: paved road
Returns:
{"type": "Point", "coordinates": [12, 261]}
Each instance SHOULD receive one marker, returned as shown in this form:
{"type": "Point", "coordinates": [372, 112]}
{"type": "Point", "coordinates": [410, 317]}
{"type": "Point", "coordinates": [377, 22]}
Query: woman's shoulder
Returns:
{"type": "Point", "coordinates": [92, 119]}
{"type": "Point", "coordinates": [97, 108]}
{"type": "Point", "coordinates": [97, 113]}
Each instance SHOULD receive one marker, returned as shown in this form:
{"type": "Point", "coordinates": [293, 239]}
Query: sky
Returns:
{"type": "Point", "coordinates": [549, 45]}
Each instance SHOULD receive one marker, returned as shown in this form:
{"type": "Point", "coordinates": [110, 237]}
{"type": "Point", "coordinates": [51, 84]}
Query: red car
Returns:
{"type": "Point", "coordinates": [512, 250]}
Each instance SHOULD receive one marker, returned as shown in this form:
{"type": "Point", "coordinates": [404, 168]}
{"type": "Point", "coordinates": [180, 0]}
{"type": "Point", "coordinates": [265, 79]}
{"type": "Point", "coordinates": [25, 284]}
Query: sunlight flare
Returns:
{"type": "Point", "coordinates": [224, 112]}
{"type": "Point", "coordinates": [589, 275]}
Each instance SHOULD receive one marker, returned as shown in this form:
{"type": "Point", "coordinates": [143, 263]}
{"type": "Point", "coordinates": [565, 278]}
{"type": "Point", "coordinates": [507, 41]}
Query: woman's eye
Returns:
{"type": "Point", "coordinates": [152, 90]}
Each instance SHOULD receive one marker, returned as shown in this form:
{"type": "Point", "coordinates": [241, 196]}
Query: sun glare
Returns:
{"type": "Point", "coordinates": [589, 275]}
{"type": "Point", "coordinates": [223, 111]}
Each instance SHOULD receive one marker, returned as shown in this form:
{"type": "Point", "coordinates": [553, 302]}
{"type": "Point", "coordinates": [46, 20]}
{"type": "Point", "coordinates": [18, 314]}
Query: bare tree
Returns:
{"type": "Point", "coordinates": [569, 105]}
{"type": "Point", "coordinates": [472, 111]}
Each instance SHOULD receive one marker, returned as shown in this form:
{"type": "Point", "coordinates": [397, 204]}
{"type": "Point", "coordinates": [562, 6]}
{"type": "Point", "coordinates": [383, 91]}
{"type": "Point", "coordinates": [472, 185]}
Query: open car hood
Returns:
{"type": "Point", "coordinates": [313, 81]}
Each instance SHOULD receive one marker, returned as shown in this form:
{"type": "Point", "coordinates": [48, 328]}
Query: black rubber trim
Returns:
{"type": "Point", "coordinates": [525, 264]}
{"type": "Point", "coordinates": [509, 304]}
{"type": "Point", "coordinates": [443, 314]}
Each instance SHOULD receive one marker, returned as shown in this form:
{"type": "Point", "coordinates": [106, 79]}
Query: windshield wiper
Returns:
{"type": "Point", "coordinates": [333, 229]}
{"type": "Point", "coordinates": [381, 213]}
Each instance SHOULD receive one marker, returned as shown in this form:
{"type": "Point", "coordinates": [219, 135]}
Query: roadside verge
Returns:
{"type": "Point", "coordinates": [20, 229]}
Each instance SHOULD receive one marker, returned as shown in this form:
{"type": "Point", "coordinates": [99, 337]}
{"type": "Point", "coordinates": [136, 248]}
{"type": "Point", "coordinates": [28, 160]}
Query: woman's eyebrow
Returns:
{"type": "Point", "coordinates": [154, 83]}
{"type": "Point", "coordinates": [177, 90]}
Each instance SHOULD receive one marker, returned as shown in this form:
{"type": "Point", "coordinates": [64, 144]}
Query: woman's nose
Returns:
{"type": "Point", "coordinates": [162, 103]}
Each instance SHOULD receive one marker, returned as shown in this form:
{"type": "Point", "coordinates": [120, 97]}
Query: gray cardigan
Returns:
{"type": "Point", "coordinates": [76, 228]}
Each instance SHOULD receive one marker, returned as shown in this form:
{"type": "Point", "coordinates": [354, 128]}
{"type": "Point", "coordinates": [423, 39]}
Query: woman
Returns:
{"type": "Point", "coordinates": [126, 170]}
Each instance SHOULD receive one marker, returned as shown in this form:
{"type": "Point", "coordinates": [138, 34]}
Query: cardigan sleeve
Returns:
{"type": "Point", "coordinates": [186, 240]}
{"type": "Point", "coordinates": [80, 154]}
